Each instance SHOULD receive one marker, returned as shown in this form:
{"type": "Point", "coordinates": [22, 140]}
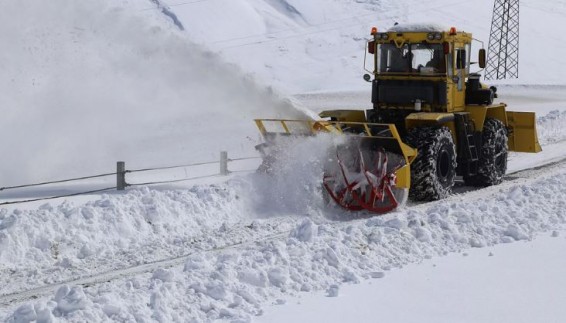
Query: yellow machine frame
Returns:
{"type": "Point", "coordinates": [522, 133]}
{"type": "Point", "coordinates": [399, 106]}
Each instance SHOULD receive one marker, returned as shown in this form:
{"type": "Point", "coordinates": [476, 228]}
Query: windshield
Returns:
{"type": "Point", "coordinates": [420, 58]}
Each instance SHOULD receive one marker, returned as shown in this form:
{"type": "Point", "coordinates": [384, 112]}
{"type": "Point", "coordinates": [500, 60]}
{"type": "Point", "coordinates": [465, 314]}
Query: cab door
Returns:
{"type": "Point", "coordinates": [460, 67]}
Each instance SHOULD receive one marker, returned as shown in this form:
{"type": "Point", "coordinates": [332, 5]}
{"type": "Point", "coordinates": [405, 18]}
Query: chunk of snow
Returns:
{"type": "Point", "coordinates": [333, 291]}
{"type": "Point", "coordinates": [252, 277]}
{"type": "Point", "coordinates": [24, 314]}
{"type": "Point", "coordinates": [111, 310]}
{"type": "Point", "coordinates": [7, 222]}
{"type": "Point", "coordinates": [396, 223]}
{"type": "Point", "coordinates": [69, 300]}
{"type": "Point", "coordinates": [331, 257]}
{"type": "Point", "coordinates": [277, 276]}
{"type": "Point", "coordinates": [422, 234]}
{"type": "Point", "coordinates": [305, 231]}
{"type": "Point", "coordinates": [216, 291]}
{"type": "Point", "coordinates": [516, 233]}
{"type": "Point", "coordinates": [377, 274]}
{"type": "Point", "coordinates": [163, 275]}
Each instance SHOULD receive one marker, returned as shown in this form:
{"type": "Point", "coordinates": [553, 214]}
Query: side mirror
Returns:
{"type": "Point", "coordinates": [481, 58]}
{"type": "Point", "coordinates": [371, 47]}
{"type": "Point", "coordinates": [367, 77]}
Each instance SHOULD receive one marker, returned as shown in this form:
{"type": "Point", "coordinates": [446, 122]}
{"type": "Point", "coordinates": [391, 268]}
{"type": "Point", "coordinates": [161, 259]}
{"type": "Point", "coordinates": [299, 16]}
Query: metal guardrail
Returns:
{"type": "Point", "coordinates": [121, 183]}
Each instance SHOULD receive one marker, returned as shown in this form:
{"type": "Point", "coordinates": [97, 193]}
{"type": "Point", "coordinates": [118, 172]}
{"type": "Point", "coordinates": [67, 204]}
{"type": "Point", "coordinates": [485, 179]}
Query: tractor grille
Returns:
{"type": "Point", "coordinates": [406, 92]}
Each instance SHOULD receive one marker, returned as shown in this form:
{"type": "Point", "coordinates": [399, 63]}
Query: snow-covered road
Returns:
{"type": "Point", "coordinates": [520, 282]}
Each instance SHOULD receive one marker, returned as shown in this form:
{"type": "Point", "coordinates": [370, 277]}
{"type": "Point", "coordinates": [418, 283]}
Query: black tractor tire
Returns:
{"type": "Point", "coordinates": [434, 169]}
{"type": "Point", "coordinates": [493, 155]}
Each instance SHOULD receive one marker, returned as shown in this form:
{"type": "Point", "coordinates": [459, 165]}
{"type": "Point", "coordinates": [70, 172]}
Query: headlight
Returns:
{"type": "Point", "coordinates": [438, 36]}
{"type": "Point", "coordinates": [384, 36]}
{"type": "Point", "coordinates": [430, 36]}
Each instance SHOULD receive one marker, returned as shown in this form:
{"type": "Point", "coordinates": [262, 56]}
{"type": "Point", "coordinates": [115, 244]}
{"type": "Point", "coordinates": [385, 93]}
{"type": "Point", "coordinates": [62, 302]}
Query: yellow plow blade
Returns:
{"type": "Point", "coordinates": [523, 133]}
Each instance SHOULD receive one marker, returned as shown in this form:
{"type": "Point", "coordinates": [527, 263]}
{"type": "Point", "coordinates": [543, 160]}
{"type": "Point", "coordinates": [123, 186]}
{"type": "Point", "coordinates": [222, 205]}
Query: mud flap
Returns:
{"type": "Point", "coordinates": [522, 132]}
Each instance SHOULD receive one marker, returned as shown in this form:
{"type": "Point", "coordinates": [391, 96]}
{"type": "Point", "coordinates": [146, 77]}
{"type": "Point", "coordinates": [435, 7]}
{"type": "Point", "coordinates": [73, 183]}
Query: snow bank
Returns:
{"type": "Point", "coordinates": [233, 284]}
{"type": "Point", "coordinates": [550, 127]}
{"type": "Point", "coordinates": [115, 231]}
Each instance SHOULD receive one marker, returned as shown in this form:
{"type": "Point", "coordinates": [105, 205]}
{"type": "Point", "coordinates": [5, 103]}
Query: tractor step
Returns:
{"type": "Point", "coordinates": [468, 138]}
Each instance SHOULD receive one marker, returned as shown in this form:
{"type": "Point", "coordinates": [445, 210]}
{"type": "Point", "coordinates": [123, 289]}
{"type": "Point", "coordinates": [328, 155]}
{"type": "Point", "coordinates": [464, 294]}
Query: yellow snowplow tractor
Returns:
{"type": "Point", "coordinates": [425, 98]}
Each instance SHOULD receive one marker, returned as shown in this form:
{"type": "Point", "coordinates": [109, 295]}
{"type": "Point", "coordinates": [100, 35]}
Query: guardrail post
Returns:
{"type": "Point", "coordinates": [121, 176]}
{"type": "Point", "coordinates": [224, 163]}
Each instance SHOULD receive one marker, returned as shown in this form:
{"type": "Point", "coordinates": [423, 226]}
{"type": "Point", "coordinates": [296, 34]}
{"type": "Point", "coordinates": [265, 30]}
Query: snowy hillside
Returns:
{"type": "Point", "coordinates": [85, 84]}
{"type": "Point", "coordinates": [310, 46]}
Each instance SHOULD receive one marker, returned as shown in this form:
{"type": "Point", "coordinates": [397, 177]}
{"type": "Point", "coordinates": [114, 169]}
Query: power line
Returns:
{"type": "Point", "coordinates": [552, 10]}
{"type": "Point", "coordinates": [115, 173]}
{"type": "Point", "coordinates": [170, 167]}
{"type": "Point", "coordinates": [386, 17]}
{"type": "Point", "coordinates": [173, 181]}
{"type": "Point", "coordinates": [185, 3]}
{"type": "Point", "coordinates": [187, 165]}
{"type": "Point", "coordinates": [55, 182]}
{"type": "Point", "coordinates": [175, 5]}
{"type": "Point", "coordinates": [390, 15]}
{"type": "Point", "coordinates": [58, 196]}
{"type": "Point", "coordinates": [243, 158]}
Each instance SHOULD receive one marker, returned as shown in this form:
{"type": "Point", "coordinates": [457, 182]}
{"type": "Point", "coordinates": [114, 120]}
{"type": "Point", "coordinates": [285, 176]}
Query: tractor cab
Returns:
{"type": "Point", "coordinates": [423, 68]}
{"type": "Point", "coordinates": [419, 58]}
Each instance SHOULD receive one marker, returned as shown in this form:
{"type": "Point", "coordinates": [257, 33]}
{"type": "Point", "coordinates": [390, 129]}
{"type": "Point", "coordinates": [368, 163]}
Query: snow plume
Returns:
{"type": "Point", "coordinates": [294, 175]}
{"type": "Point", "coordinates": [87, 83]}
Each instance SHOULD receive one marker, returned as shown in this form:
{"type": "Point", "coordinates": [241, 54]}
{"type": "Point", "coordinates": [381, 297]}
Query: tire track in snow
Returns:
{"type": "Point", "coordinates": [37, 292]}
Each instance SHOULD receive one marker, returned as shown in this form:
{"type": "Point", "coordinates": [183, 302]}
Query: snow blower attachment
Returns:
{"type": "Point", "coordinates": [369, 170]}
{"type": "Point", "coordinates": [364, 179]}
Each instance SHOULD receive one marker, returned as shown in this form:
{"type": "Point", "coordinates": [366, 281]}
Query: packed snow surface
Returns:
{"type": "Point", "coordinates": [88, 83]}
{"type": "Point", "coordinates": [502, 283]}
